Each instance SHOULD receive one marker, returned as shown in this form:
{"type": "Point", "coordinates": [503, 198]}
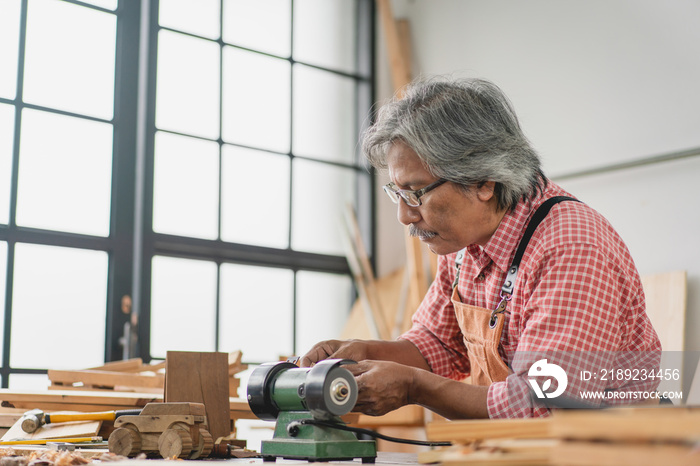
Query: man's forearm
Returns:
{"type": "Point", "coordinates": [449, 398]}
{"type": "Point", "coordinates": [401, 351]}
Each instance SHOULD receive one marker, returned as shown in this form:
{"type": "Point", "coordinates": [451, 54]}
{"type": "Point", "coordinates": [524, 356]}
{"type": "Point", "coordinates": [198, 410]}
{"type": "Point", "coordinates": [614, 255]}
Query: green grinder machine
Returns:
{"type": "Point", "coordinates": [307, 404]}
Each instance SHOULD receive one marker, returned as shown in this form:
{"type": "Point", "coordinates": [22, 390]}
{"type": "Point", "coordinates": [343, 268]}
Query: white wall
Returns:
{"type": "Point", "coordinates": [595, 82]}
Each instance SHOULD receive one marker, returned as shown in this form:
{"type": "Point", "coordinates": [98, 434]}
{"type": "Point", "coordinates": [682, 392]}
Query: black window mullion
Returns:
{"type": "Point", "coordinates": [144, 236]}
{"type": "Point", "coordinates": [12, 223]}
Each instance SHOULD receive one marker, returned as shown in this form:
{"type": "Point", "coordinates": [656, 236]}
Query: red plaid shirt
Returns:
{"type": "Point", "coordinates": [577, 290]}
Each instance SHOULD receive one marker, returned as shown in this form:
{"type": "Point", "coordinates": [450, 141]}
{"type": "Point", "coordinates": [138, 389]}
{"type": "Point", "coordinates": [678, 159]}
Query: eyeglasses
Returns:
{"type": "Point", "coordinates": [411, 198]}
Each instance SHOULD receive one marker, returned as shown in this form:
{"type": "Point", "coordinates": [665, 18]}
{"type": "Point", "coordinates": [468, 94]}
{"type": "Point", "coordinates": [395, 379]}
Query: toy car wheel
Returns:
{"type": "Point", "coordinates": [175, 443]}
{"type": "Point", "coordinates": [125, 441]}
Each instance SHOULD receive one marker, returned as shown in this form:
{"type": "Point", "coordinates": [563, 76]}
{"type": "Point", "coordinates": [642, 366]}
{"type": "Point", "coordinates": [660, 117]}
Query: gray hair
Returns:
{"type": "Point", "coordinates": [465, 131]}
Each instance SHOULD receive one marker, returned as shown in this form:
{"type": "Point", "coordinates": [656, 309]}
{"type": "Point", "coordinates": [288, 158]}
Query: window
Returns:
{"type": "Point", "coordinates": [194, 155]}
{"type": "Point", "coordinates": [257, 114]}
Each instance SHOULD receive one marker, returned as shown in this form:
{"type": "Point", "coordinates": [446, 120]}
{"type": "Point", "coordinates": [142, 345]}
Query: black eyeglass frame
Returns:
{"type": "Point", "coordinates": [408, 195]}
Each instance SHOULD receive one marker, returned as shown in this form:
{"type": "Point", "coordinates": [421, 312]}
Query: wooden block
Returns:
{"type": "Point", "coordinates": [472, 430]}
{"type": "Point", "coordinates": [201, 378]}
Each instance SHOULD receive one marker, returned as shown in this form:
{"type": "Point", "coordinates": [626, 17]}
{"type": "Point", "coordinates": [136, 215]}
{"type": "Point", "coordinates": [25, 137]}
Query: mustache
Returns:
{"type": "Point", "coordinates": [417, 232]}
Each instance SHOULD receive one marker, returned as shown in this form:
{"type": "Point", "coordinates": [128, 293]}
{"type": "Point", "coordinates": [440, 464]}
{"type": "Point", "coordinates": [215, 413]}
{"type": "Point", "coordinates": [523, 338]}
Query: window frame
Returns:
{"type": "Point", "coordinates": [132, 243]}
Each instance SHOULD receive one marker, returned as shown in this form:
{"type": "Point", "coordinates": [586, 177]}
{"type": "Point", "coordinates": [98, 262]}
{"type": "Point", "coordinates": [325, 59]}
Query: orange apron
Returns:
{"type": "Point", "coordinates": [482, 336]}
{"type": "Point", "coordinates": [481, 327]}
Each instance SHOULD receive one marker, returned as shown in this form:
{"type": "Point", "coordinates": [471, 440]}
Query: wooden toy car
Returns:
{"type": "Point", "coordinates": [170, 429]}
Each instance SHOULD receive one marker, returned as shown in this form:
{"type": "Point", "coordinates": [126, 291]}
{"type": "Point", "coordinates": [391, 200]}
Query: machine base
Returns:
{"type": "Point", "coordinates": [315, 443]}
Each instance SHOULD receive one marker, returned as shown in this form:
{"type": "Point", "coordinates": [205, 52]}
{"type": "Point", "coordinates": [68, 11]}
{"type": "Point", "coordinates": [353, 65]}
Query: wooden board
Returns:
{"type": "Point", "coordinates": [472, 430]}
{"type": "Point", "coordinates": [201, 378]}
{"type": "Point", "coordinates": [666, 306]}
{"type": "Point", "coordinates": [88, 400]}
{"type": "Point", "coordinates": [666, 296]}
{"type": "Point", "coordinates": [533, 454]}
{"type": "Point", "coordinates": [60, 430]}
{"type": "Point", "coordinates": [112, 379]}
{"type": "Point", "coordinates": [409, 415]}
{"type": "Point", "coordinates": [388, 289]}
{"type": "Point", "coordinates": [670, 424]}
{"type": "Point", "coordinates": [623, 454]}
{"type": "Point", "coordinates": [693, 398]}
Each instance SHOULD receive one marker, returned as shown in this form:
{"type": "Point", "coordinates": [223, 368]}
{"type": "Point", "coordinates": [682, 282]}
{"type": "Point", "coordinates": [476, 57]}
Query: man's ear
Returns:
{"type": "Point", "coordinates": [485, 191]}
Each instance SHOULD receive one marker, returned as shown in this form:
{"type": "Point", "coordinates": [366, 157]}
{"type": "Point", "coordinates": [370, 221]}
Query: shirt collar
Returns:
{"type": "Point", "coordinates": [501, 246]}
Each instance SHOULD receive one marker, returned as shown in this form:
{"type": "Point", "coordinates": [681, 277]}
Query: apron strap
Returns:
{"type": "Point", "coordinates": [538, 216]}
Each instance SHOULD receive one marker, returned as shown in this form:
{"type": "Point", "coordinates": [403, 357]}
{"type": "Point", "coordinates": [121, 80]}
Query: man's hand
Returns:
{"type": "Point", "coordinates": [336, 349]}
{"type": "Point", "coordinates": [382, 386]}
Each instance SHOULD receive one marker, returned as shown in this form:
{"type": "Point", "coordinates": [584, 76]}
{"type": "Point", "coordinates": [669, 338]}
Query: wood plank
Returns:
{"type": "Point", "coordinates": [106, 378]}
{"type": "Point", "coordinates": [400, 71]}
{"type": "Point", "coordinates": [240, 409]}
{"type": "Point", "coordinates": [10, 398]}
{"type": "Point", "coordinates": [60, 430]}
{"type": "Point", "coordinates": [408, 416]}
{"type": "Point", "coordinates": [128, 365]}
{"type": "Point", "coordinates": [235, 364]}
{"type": "Point", "coordinates": [388, 288]}
{"type": "Point", "coordinates": [623, 454]}
{"type": "Point", "coordinates": [364, 281]}
{"type": "Point", "coordinates": [629, 424]}
{"type": "Point", "coordinates": [201, 378]}
{"type": "Point", "coordinates": [472, 430]}
{"type": "Point", "coordinates": [666, 296]}
{"type": "Point", "coordinates": [8, 416]}
{"type": "Point", "coordinates": [693, 398]}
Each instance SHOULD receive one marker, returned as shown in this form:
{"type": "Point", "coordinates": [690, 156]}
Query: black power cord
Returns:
{"type": "Point", "coordinates": [293, 431]}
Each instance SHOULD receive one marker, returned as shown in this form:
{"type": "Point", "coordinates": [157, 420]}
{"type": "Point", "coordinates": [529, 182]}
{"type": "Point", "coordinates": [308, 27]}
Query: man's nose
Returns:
{"type": "Point", "coordinates": [407, 214]}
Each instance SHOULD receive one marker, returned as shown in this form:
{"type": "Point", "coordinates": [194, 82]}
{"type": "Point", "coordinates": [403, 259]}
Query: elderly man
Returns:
{"type": "Point", "coordinates": [529, 279]}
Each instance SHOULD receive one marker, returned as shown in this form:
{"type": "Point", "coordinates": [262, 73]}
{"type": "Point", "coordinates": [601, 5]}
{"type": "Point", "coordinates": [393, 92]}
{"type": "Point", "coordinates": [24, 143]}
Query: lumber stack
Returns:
{"type": "Point", "coordinates": [131, 375]}
{"type": "Point", "coordinates": [621, 436]}
{"type": "Point", "coordinates": [115, 386]}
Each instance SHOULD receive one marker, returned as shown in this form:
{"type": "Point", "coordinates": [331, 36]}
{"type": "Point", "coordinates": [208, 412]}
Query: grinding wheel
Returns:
{"type": "Point", "coordinates": [330, 389]}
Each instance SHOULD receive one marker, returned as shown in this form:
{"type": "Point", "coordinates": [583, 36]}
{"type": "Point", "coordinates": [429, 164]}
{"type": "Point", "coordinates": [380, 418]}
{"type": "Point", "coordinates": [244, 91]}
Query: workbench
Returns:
{"type": "Point", "coordinates": [390, 458]}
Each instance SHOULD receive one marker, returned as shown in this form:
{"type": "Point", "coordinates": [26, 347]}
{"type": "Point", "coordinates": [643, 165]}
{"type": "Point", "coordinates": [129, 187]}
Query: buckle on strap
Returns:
{"type": "Point", "coordinates": [459, 259]}
{"type": "Point", "coordinates": [500, 309]}
{"type": "Point", "coordinates": [509, 282]}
